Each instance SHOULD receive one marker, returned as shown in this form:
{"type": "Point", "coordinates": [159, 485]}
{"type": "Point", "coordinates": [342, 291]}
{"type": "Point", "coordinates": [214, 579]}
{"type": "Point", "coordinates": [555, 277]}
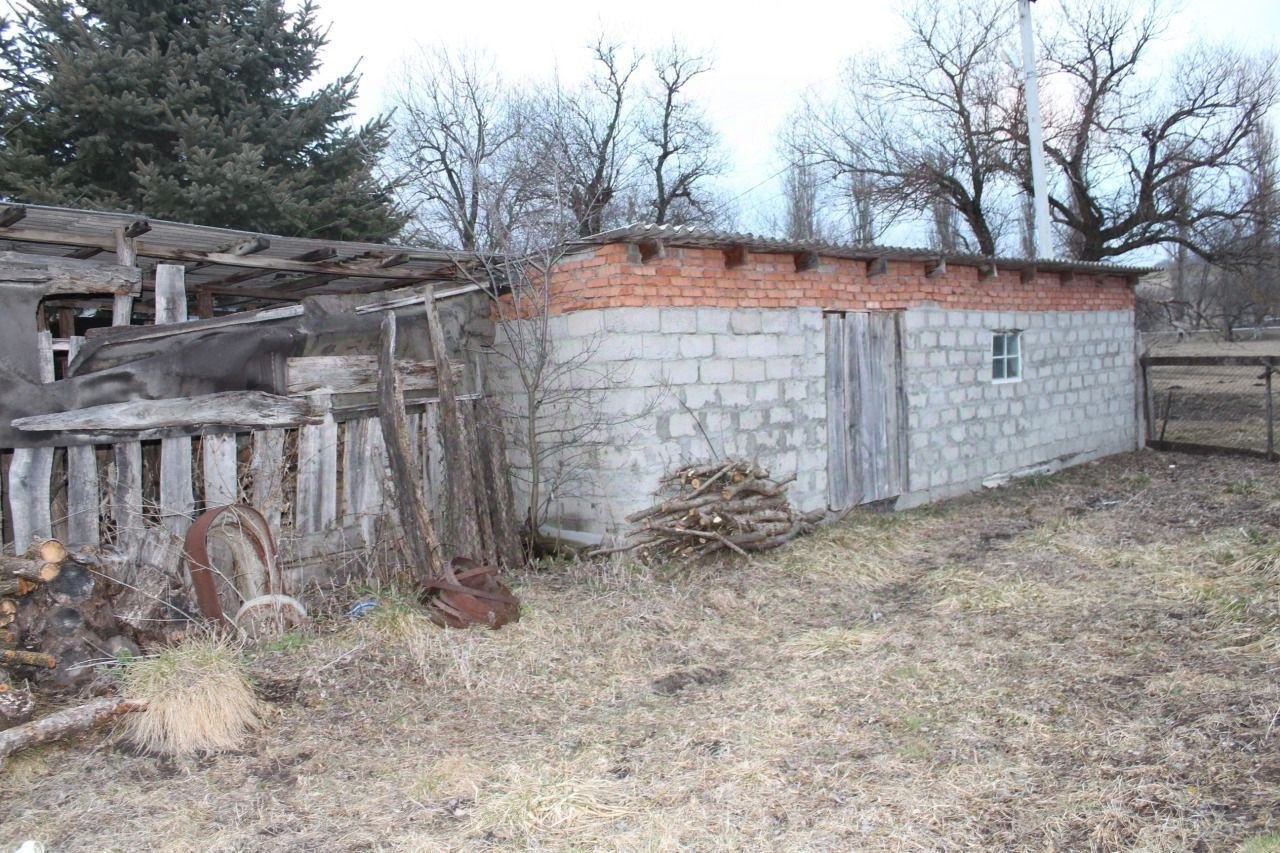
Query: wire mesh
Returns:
{"type": "Point", "coordinates": [1216, 405]}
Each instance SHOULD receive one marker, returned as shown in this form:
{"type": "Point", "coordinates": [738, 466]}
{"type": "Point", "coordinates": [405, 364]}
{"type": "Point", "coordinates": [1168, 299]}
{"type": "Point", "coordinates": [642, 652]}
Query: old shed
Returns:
{"type": "Point", "coordinates": [151, 369]}
{"type": "Point", "coordinates": [870, 374]}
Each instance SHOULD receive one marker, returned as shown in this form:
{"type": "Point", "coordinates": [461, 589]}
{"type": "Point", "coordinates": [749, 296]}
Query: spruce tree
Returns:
{"type": "Point", "coordinates": [193, 110]}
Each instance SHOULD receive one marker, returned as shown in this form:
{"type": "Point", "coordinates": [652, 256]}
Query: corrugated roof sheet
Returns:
{"type": "Point", "coordinates": [699, 237]}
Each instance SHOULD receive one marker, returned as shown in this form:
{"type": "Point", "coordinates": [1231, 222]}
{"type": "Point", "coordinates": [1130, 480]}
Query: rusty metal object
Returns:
{"type": "Point", "coordinates": [254, 571]}
{"type": "Point", "coordinates": [470, 594]}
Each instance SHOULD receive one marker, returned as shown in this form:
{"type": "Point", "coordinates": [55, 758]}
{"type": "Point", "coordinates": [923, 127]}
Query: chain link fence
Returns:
{"type": "Point", "coordinates": [1211, 402]}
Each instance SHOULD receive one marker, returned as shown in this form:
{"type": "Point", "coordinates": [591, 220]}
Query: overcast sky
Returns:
{"type": "Point", "coordinates": [766, 55]}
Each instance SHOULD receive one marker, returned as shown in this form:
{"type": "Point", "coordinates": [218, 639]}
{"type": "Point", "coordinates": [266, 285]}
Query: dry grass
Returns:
{"type": "Point", "coordinates": [1047, 666]}
{"type": "Point", "coordinates": [199, 699]}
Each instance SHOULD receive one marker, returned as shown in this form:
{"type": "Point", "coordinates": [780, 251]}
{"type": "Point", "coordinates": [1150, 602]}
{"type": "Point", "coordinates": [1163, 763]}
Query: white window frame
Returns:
{"type": "Point", "coordinates": [1007, 352]}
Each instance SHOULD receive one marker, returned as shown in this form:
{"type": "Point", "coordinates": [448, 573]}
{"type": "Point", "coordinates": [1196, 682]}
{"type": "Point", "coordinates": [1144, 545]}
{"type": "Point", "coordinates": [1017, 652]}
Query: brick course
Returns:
{"type": "Point", "coordinates": [610, 277]}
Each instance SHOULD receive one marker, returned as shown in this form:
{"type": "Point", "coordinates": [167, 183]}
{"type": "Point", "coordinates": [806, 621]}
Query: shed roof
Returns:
{"type": "Point", "coordinates": [240, 269]}
{"type": "Point", "coordinates": [698, 237]}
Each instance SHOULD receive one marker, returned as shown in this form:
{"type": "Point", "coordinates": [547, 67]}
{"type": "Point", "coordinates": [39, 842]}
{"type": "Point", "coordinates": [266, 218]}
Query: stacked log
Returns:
{"type": "Point", "coordinates": [732, 505]}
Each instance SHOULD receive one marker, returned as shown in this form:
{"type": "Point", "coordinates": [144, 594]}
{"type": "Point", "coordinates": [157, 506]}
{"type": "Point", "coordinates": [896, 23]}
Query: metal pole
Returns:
{"type": "Point", "coordinates": [1035, 134]}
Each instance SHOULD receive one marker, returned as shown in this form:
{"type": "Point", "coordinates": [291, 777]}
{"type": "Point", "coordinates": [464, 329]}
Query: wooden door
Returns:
{"type": "Point", "coordinates": [866, 408]}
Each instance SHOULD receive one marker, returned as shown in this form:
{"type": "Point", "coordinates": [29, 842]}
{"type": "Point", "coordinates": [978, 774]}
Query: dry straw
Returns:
{"type": "Point", "coordinates": [198, 699]}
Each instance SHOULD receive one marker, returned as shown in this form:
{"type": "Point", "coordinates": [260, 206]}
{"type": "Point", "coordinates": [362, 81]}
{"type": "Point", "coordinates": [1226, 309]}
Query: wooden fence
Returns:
{"type": "Point", "coordinates": [1210, 403]}
{"type": "Point", "coordinates": [324, 486]}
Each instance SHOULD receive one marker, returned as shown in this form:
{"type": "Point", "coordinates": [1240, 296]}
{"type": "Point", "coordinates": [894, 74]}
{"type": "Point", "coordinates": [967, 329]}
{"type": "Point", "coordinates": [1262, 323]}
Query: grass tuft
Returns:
{"type": "Point", "coordinates": [199, 699]}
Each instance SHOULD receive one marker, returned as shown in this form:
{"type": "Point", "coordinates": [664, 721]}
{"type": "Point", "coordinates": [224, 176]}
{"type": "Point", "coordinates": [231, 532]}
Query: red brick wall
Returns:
{"type": "Point", "coordinates": [610, 277]}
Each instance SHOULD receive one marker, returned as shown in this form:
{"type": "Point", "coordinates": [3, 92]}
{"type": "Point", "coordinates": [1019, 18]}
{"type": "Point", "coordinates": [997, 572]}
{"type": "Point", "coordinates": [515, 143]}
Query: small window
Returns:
{"type": "Point", "coordinates": [1006, 356]}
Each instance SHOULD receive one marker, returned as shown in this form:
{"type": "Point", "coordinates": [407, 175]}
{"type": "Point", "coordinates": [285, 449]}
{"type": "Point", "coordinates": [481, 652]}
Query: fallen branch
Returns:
{"type": "Point", "coordinates": [65, 723]}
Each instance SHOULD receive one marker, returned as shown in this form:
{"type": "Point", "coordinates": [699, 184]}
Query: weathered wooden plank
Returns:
{"type": "Point", "coordinates": [64, 275]}
{"type": "Point", "coordinates": [493, 449]}
{"type": "Point", "coordinates": [146, 333]}
{"type": "Point", "coordinates": [316, 504]}
{"type": "Point", "coordinates": [240, 409]}
{"type": "Point", "coordinates": [218, 458]}
{"type": "Point", "coordinates": [363, 474]}
{"type": "Point", "coordinates": [266, 477]}
{"type": "Point", "coordinates": [461, 482]}
{"type": "Point", "coordinates": [177, 494]}
{"type": "Point", "coordinates": [838, 491]}
{"type": "Point", "coordinates": [29, 477]}
{"type": "Point", "coordinates": [411, 506]}
{"type": "Point", "coordinates": [82, 483]}
{"type": "Point", "coordinates": [433, 460]}
{"type": "Point", "coordinates": [353, 374]}
{"type": "Point", "coordinates": [488, 553]}
{"type": "Point", "coordinates": [125, 492]}
{"type": "Point", "coordinates": [32, 471]}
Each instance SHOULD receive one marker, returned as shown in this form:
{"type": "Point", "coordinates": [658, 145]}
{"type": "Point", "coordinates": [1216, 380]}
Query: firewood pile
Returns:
{"type": "Point", "coordinates": [731, 505]}
{"type": "Point", "coordinates": [63, 612]}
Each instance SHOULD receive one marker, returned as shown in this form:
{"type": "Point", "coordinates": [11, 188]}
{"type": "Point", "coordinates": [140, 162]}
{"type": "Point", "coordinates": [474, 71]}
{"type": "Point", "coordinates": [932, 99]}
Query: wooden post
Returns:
{"type": "Point", "coordinates": [1148, 402]}
{"type": "Point", "coordinates": [126, 256]}
{"type": "Point", "coordinates": [460, 478]}
{"type": "Point", "coordinates": [126, 483]}
{"type": "Point", "coordinates": [1271, 417]}
{"type": "Point", "coordinates": [415, 518]}
{"type": "Point", "coordinates": [82, 483]}
{"type": "Point", "coordinates": [177, 499]}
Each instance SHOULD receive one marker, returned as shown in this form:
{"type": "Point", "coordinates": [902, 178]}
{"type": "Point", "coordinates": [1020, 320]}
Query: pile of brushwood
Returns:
{"type": "Point", "coordinates": [730, 505]}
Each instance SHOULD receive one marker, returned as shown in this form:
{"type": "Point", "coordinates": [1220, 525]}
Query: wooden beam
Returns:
{"type": "Point", "coordinates": [11, 215]}
{"type": "Point", "coordinates": [933, 269]}
{"type": "Point", "coordinates": [357, 374]}
{"type": "Point", "coordinates": [204, 305]}
{"type": "Point", "coordinates": [394, 260]}
{"type": "Point", "coordinates": [877, 266]}
{"type": "Point", "coordinates": [61, 275]}
{"type": "Point", "coordinates": [246, 292]}
{"type": "Point", "coordinates": [143, 333]}
{"type": "Point", "coordinates": [1067, 276]}
{"type": "Point", "coordinates": [84, 254]}
{"type": "Point", "coordinates": [987, 269]}
{"type": "Point", "coordinates": [1028, 273]}
{"type": "Point", "coordinates": [805, 260]}
{"type": "Point", "coordinates": [736, 256]}
{"type": "Point", "coordinates": [167, 253]}
{"type": "Point", "coordinates": [244, 409]}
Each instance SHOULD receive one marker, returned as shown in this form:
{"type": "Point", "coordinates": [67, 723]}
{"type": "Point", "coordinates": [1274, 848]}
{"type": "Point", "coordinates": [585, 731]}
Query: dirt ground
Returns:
{"type": "Point", "coordinates": [1082, 662]}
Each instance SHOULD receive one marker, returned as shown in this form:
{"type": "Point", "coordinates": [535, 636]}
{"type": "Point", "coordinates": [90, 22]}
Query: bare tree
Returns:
{"type": "Point", "coordinates": [922, 124]}
{"type": "Point", "coordinates": [587, 134]}
{"type": "Point", "coordinates": [681, 149]}
{"type": "Point", "coordinates": [459, 151]}
{"type": "Point", "coordinates": [1140, 164]}
{"type": "Point", "coordinates": [803, 206]}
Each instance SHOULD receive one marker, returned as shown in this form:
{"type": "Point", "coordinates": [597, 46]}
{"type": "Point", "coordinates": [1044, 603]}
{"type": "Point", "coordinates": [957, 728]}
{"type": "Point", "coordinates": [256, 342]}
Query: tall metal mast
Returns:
{"type": "Point", "coordinates": [1040, 192]}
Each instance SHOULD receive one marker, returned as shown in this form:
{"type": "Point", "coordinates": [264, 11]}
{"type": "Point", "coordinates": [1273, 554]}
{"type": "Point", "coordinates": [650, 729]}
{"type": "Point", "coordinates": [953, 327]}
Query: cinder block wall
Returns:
{"type": "Point", "coordinates": [684, 383]}
{"type": "Point", "coordinates": [1076, 400]}
{"type": "Point", "coordinates": [742, 349]}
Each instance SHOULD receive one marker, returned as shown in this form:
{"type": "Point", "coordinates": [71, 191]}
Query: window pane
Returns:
{"type": "Point", "coordinates": [997, 344]}
{"type": "Point", "coordinates": [1013, 345]}
{"type": "Point", "coordinates": [997, 368]}
{"type": "Point", "coordinates": [1014, 369]}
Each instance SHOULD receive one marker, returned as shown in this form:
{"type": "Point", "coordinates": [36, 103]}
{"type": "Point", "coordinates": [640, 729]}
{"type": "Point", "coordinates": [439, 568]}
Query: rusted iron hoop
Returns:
{"type": "Point", "coordinates": [255, 531]}
{"type": "Point", "coordinates": [470, 594]}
